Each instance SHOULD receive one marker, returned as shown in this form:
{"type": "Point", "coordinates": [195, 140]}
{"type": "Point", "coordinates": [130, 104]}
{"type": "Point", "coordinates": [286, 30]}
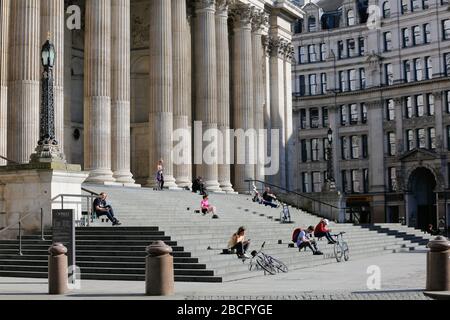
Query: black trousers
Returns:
{"type": "Point", "coordinates": [311, 245]}
{"type": "Point", "coordinates": [109, 214]}
{"type": "Point", "coordinates": [326, 235]}
{"type": "Point", "coordinates": [240, 247]}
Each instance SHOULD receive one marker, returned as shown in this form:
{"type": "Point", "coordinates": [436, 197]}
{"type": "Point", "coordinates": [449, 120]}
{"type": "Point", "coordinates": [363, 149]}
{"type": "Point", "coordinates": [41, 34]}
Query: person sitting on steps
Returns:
{"type": "Point", "coordinates": [304, 241]}
{"type": "Point", "coordinates": [237, 242]}
{"type": "Point", "coordinates": [269, 198]}
{"type": "Point", "coordinates": [103, 209]}
{"type": "Point", "coordinates": [207, 208]}
{"type": "Point", "coordinates": [322, 230]}
{"type": "Point", "coordinates": [198, 185]}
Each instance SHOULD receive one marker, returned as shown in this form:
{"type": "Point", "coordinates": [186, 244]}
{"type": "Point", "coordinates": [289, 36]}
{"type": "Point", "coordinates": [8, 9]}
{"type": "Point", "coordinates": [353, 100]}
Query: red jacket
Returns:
{"type": "Point", "coordinates": [320, 228]}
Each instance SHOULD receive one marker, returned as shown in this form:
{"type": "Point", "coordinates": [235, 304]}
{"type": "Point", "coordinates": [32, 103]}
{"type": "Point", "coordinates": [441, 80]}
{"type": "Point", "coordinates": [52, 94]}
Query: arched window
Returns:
{"type": "Point", "coordinates": [312, 25]}
{"type": "Point", "coordinates": [350, 18]}
{"type": "Point", "coordinates": [386, 9]}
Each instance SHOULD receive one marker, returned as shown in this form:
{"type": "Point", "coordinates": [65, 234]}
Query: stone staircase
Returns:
{"type": "Point", "coordinates": [197, 240]}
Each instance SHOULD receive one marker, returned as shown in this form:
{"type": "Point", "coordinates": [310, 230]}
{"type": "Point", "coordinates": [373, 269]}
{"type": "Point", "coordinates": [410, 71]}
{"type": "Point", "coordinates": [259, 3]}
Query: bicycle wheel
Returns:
{"type": "Point", "coordinates": [345, 251]}
{"type": "Point", "coordinates": [280, 266]}
{"type": "Point", "coordinates": [265, 265]}
{"type": "Point", "coordinates": [338, 251]}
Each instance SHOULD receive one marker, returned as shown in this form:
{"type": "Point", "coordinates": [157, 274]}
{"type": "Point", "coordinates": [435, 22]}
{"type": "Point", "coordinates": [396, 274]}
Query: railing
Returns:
{"type": "Point", "coordinates": [9, 160]}
{"type": "Point", "coordinates": [317, 206]}
{"type": "Point", "coordinates": [89, 202]}
{"type": "Point", "coordinates": [20, 228]}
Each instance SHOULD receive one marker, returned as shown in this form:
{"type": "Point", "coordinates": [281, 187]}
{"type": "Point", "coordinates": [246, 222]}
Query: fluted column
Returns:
{"type": "Point", "coordinates": [259, 101]}
{"type": "Point", "coordinates": [120, 95]}
{"type": "Point", "coordinates": [243, 108]}
{"type": "Point", "coordinates": [68, 131]}
{"type": "Point", "coordinates": [289, 142]}
{"type": "Point", "coordinates": [223, 94]}
{"type": "Point", "coordinates": [181, 92]}
{"type": "Point", "coordinates": [52, 28]}
{"type": "Point", "coordinates": [4, 46]}
{"type": "Point", "coordinates": [23, 89]}
{"type": "Point", "coordinates": [97, 91]}
{"type": "Point", "coordinates": [206, 89]}
{"type": "Point", "coordinates": [161, 91]}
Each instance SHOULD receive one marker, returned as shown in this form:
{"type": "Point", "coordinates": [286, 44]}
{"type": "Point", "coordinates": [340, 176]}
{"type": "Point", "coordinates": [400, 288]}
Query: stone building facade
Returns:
{"type": "Point", "coordinates": [377, 73]}
{"type": "Point", "coordinates": [139, 70]}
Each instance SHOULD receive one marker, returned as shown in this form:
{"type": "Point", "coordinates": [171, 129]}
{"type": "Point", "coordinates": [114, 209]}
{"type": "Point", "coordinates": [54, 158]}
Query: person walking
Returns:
{"type": "Point", "coordinates": [160, 175]}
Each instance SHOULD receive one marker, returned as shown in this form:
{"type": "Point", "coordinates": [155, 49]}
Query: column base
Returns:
{"type": "Point", "coordinates": [124, 177]}
{"type": "Point", "coordinates": [213, 186]}
{"type": "Point", "coordinates": [184, 182]}
{"type": "Point", "coordinates": [227, 187]}
{"type": "Point", "coordinates": [101, 176]}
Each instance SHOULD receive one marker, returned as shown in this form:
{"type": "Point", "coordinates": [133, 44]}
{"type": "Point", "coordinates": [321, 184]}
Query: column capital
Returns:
{"type": "Point", "coordinates": [260, 20]}
{"type": "Point", "coordinates": [437, 95]}
{"type": "Point", "coordinates": [204, 5]}
{"type": "Point", "coordinates": [398, 101]}
{"type": "Point", "coordinates": [242, 15]}
{"type": "Point", "coordinates": [222, 7]}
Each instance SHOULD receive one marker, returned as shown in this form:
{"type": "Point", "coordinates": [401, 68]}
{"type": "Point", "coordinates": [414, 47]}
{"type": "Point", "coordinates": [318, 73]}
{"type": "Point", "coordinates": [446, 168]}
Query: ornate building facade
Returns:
{"type": "Point", "coordinates": [379, 78]}
{"type": "Point", "coordinates": [137, 71]}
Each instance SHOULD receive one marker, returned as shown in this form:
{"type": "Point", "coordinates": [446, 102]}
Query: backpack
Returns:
{"type": "Point", "coordinates": [295, 234]}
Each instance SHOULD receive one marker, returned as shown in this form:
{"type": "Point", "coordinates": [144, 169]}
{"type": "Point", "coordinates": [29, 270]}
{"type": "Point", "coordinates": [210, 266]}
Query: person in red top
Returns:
{"type": "Point", "coordinates": [321, 231]}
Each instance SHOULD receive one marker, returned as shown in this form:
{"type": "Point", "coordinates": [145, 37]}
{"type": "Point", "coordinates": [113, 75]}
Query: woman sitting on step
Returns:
{"type": "Point", "coordinates": [239, 244]}
{"type": "Point", "coordinates": [207, 208]}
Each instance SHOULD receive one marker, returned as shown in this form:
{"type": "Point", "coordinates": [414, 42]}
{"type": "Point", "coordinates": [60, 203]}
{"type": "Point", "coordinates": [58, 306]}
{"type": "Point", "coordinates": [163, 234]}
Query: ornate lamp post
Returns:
{"type": "Point", "coordinates": [47, 149]}
{"type": "Point", "coordinates": [331, 185]}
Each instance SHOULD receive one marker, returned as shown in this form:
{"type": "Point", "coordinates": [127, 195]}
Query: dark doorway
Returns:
{"type": "Point", "coordinates": [423, 206]}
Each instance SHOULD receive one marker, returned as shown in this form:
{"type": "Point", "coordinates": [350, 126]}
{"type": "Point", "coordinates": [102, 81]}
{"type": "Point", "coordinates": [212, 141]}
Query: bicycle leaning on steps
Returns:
{"type": "Point", "coordinates": [341, 248]}
{"type": "Point", "coordinates": [269, 264]}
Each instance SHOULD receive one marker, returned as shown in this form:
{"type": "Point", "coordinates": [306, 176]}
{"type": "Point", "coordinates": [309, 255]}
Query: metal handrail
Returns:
{"type": "Point", "coordinates": [20, 228]}
{"type": "Point", "coordinates": [89, 201]}
{"type": "Point", "coordinates": [9, 160]}
{"type": "Point", "coordinates": [90, 192]}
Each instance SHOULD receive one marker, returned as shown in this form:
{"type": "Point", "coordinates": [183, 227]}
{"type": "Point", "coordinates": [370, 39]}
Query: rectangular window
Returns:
{"type": "Point", "coordinates": [362, 78]}
{"type": "Point", "coordinates": [446, 29]}
{"type": "Point", "coordinates": [426, 33]}
{"type": "Point", "coordinates": [324, 149]}
{"type": "Point", "coordinates": [421, 142]}
{"type": "Point", "coordinates": [405, 37]}
{"type": "Point", "coordinates": [361, 45]}
{"type": "Point", "coordinates": [323, 52]}
{"type": "Point", "coordinates": [354, 140]}
{"type": "Point", "coordinates": [355, 181]}
{"type": "Point", "coordinates": [304, 151]}
{"type": "Point", "coordinates": [340, 49]}
{"type": "Point", "coordinates": [389, 73]}
{"type": "Point", "coordinates": [448, 138]}
{"type": "Point", "coordinates": [363, 113]}
{"type": "Point", "coordinates": [354, 114]}
{"type": "Point", "coordinates": [404, 5]}
{"type": "Point", "coordinates": [418, 71]}
{"type": "Point", "coordinates": [317, 182]}
{"type": "Point", "coordinates": [366, 180]}
{"type": "Point", "coordinates": [390, 110]}
{"type": "Point", "coordinates": [409, 139]}
{"type": "Point", "coordinates": [301, 55]}
{"type": "Point", "coordinates": [425, 4]}
{"type": "Point", "coordinates": [352, 80]}
{"type": "Point", "coordinates": [428, 68]}
{"type": "Point", "coordinates": [416, 35]}
{"type": "Point", "coordinates": [409, 108]}
{"type": "Point", "coordinates": [323, 83]}
{"type": "Point", "coordinates": [344, 181]}
{"type": "Point", "coordinates": [415, 5]}
{"type": "Point", "coordinates": [343, 111]}
{"type": "Point", "coordinates": [392, 179]}
{"type": "Point", "coordinates": [325, 121]}
{"type": "Point", "coordinates": [342, 81]}
{"type": "Point", "coordinates": [387, 36]}
{"type": "Point", "coordinates": [314, 118]}
{"type": "Point", "coordinates": [430, 104]}
{"type": "Point", "coordinates": [312, 53]}
{"type": "Point", "coordinates": [302, 82]}
{"type": "Point", "coordinates": [344, 148]}
{"type": "Point", "coordinates": [420, 110]}
{"type": "Point", "coordinates": [407, 70]}
{"type": "Point", "coordinates": [447, 64]}
{"type": "Point", "coordinates": [447, 101]}
{"type": "Point", "coordinates": [350, 48]}
{"type": "Point", "coordinates": [392, 145]}
{"type": "Point", "coordinates": [312, 84]}
{"type": "Point", "coordinates": [314, 149]}
{"type": "Point", "coordinates": [302, 119]}
{"type": "Point", "coordinates": [432, 138]}
{"type": "Point", "coordinates": [365, 146]}
{"type": "Point", "coordinates": [305, 181]}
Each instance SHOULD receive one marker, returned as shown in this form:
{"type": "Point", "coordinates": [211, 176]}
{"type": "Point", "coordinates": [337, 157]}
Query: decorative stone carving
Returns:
{"type": "Point", "coordinates": [140, 26]}
{"type": "Point", "coordinates": [260, 20]}
{"type": "Point", "coordinates": [242, 14]}
{"type": "Point", "coordinates": [204, 4]}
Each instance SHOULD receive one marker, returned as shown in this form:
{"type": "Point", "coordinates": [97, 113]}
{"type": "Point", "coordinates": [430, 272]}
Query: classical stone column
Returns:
{"type": "Point", "coordinates": [439, 123]}
{"type": "Point", "coordinates": [120, 95]}
{"type": "Point", "coordinates": [181, 92]}
{"type": "Point", "coordinates": [206, 89]}
{"type": "Point", "coordinates": [24, 77]}
{"type": "Point", "coordinates": [223, 94]}
{"type": "Point", "coordinates": [277, 104]}
{"type": "Point", "coordinates": [289, 141]}
{"type": "Point", "coordinates": [97, 92]}
{"type": "Point", "coordinates": [161, 91]}
{"type": "Point", "coordinates": [259, 98]}
{"type": "Point", "coordinates": [68, 131]}
{"type": "Point", "coordinates": [376, 161]}
{"type": "Point", "coordinates": [243, 95]}
{"type": "Point", "coordinates": [52, 28]}
{"type": "Point", "coordinates": [4, 46]}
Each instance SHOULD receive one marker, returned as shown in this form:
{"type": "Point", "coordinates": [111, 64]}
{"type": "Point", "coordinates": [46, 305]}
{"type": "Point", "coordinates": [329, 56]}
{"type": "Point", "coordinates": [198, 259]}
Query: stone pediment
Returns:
{"type": "Point", "coordinates": [418, 155]}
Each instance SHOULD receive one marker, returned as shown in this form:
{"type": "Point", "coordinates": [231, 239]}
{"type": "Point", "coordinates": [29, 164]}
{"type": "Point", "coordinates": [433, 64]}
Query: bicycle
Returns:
{"type": "Point", "coordinates": [285, 215]}
{"type": "Point", "coordinates": [341, 248]}
{"type": "Point", "coordinates": [268, 263]}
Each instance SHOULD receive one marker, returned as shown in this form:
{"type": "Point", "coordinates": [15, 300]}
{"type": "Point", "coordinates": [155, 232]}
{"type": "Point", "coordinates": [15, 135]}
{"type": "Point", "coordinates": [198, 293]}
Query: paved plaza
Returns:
{"type": "Point", "coordinates": [402, 277]}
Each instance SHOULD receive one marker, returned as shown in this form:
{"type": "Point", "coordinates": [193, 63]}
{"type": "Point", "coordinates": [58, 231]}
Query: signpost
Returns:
{"type": "Point", "coordinates": [64, 232]}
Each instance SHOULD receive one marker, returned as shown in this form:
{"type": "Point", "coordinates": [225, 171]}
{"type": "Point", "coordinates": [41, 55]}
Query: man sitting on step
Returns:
{"type": "Point", "coordinates": [103, 209]}
{"type": "Point", "coordinates": [304, 241]}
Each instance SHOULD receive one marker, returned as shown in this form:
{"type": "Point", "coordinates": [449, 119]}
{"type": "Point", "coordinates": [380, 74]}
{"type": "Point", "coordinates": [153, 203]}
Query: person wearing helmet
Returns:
{"type": "Point", "coordinates": [322, 230]}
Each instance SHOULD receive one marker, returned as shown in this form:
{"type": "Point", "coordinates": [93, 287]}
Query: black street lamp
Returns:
{"type": "Point", "coordinates": [48, 147]}
{"type": "Point", "coordinates": [331, 185]}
